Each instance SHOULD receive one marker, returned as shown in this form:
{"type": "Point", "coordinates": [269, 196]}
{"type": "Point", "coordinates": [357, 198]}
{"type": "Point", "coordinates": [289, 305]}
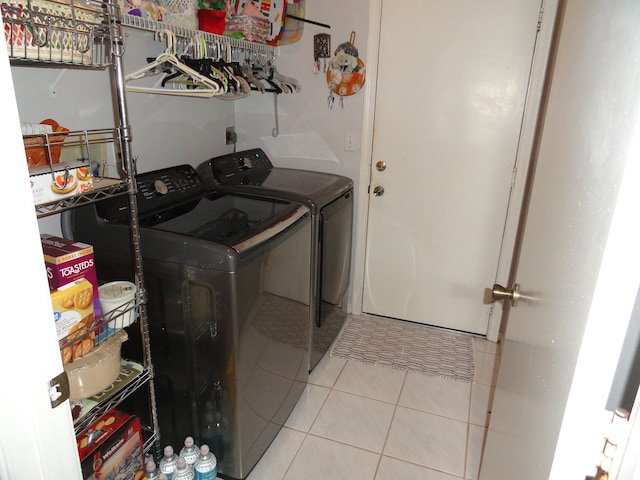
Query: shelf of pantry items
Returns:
{"type": "Point", "coordinates": [108, 188]}
{"type": "Point", "coordinates": [154, 26]}
{"type": "Point", "coordinates": [84, 140]}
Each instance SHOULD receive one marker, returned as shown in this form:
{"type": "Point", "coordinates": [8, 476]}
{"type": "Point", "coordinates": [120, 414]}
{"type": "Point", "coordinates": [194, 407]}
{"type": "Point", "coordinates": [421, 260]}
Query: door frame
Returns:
{"type": "Point", "coordinates": [522, 160]}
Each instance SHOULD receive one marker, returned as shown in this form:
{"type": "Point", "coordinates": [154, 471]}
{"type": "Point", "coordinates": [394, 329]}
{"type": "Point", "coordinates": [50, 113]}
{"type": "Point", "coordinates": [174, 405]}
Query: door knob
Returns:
{"type": "Point", "coordinates": [381, 166]}
{"type": "Point", "coordinates": [378, 191]}
{"type": "Point", "coordinates": [499, 293]}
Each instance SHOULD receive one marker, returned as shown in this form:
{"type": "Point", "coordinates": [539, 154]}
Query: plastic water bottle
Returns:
{"type": "Point", "coordinates": [183, 471]}
{"type": "Point", "coordinates": [190, 451]}
{"type": "Point", "coordinates": [206, 467]}
{"type": "Point", "coordinates": [169, 462]}
{"type": "Point", "coordinates": [151, 471]}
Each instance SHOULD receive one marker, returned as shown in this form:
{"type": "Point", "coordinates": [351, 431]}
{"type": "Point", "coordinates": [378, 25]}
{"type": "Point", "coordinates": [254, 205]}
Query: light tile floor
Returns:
{"type": "Point", "coordinates": [361, 422]}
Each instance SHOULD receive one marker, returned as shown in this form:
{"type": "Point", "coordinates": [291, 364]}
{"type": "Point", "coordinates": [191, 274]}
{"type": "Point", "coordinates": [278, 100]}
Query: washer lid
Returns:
{"type": "Point", "coordinates": [174, 200]}
{"type": "Point", "coordinates": [238, 222]}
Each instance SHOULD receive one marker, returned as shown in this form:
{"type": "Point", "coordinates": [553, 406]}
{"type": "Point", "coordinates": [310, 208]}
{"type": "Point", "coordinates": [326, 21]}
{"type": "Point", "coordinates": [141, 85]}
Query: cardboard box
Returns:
{"type": "Point", "coordinates": [112, 448]}
{"type": "Point", "coordinates": [63, 180]}
{"type": "Point", "coordinates": [75, 321]}
{"type": "Point", "coordinates": [66, 261]}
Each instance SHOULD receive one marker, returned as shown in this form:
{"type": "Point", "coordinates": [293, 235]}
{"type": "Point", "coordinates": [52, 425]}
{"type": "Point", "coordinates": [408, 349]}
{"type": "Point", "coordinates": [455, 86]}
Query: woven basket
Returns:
{"type": "Point", "coordinates": [54, 31]}
{"type": "Point", "coordinates": [44, 149]}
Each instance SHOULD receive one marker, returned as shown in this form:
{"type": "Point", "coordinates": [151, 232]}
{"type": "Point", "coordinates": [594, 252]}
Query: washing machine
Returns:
{"type": "Point", "coordinates": [330, 200]}
{"type": "Point", "coordinates": [228, 298]}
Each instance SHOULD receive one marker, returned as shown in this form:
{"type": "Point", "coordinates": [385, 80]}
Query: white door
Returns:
{"type": "Point", "coordinates": [451, 88]}
{"type": "Point", "coordinates": [579, 267]}
{"type": "Point", "coordinates": [36, 441]}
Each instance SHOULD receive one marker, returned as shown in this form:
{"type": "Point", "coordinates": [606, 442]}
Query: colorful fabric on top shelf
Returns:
{"type": "Point", "coordinates": [282, 29]}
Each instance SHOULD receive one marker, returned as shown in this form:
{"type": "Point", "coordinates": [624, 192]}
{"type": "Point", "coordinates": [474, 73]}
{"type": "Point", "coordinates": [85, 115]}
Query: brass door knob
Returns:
{"type": "Point", "coordinates": [499, 293]}
{"type": "Point", "coordinates": [381, 166]}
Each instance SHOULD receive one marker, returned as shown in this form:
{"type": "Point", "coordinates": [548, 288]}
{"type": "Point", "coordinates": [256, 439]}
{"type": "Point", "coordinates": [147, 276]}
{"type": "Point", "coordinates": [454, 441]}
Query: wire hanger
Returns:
{"type": "Point", "coordinates": [193, 85]}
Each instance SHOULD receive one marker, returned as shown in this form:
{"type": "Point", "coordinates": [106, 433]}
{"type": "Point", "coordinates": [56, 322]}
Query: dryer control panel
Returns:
{"type": "Point", "coordinates": [248, 167]}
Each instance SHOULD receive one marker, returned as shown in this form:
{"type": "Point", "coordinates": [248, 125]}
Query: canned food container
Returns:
{"type": "Point", "coordinates": [118, 296]}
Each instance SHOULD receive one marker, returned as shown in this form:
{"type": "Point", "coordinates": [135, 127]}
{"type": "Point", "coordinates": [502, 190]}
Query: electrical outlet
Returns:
{"type": "Point", "coordinates": [230, 135]}
{"type": "Point", "coordinates": [350, 142]}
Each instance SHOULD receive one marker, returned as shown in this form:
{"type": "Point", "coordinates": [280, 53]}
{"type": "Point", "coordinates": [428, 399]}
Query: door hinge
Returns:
{"type": "Point", "coordinates": [59, 389]}
{"type": "Point", "coordinates": [513, 176]}
{"type": "Point", "coordinates": [540, 18]}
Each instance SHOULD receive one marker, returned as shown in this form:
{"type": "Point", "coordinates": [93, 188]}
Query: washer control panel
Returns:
{"type": "Point", "coordinates": [168, 186]}
{"type": "Point", "coordinates": [157, 190]}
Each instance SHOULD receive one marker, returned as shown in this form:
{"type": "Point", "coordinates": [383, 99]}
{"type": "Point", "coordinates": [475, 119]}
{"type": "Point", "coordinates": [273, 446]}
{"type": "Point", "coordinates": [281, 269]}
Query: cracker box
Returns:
{"type": "Point", "coordinates": [49, 184]}
{"type": "Point", "coordinates": [75, 321]}
{"type": "Point", "coordinates": [66, 261]}
{"type": "Point", "coordinates": [112, 448]}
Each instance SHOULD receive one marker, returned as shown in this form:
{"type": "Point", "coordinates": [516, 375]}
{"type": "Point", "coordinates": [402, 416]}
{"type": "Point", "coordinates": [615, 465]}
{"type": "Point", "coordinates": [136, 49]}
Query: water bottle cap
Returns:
{"type": "Point", "coordinates": [168, 450]}
{"type": "Point", "coordinates": [150, 465]}
{"type": "Point", "coordinates": [204, 449]}
{"type": "Point", "coordinates": [182, 462]}
{"type": "Point", "coordinates": [188, 442]}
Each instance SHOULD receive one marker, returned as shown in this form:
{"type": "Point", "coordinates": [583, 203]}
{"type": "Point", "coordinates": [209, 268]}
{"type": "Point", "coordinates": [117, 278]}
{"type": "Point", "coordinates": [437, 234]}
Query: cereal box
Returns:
{"type": "Point", "coordinates": [73, 313]}
{"type": "Point", "coordinates": [66, 261]}
{"type": "Point", "coordinates": [112, 448]}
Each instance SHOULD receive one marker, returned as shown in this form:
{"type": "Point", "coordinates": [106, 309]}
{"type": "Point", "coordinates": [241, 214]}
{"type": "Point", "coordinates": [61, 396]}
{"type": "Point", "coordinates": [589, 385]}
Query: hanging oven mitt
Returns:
{"type": "Point", "coordinates": [346, 72]}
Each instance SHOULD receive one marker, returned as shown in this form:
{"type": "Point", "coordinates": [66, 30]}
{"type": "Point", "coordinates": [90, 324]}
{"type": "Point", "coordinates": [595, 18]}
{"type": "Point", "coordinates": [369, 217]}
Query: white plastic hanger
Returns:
{"type": "Point", "coordinates": [205, 87]}
{"type": "Point", "coordinates": [199, 52]}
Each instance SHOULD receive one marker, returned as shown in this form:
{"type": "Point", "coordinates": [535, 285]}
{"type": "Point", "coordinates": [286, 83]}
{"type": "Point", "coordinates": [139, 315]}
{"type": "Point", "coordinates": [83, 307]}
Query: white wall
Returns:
{"type": "Point", "coordinates": [171, 130]}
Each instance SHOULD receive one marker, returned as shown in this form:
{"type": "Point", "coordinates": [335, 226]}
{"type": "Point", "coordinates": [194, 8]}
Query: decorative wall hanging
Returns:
{"type": "Point", "coordinates": [346, 72]}
{"type": "Point", "coordinates": [321, 50]}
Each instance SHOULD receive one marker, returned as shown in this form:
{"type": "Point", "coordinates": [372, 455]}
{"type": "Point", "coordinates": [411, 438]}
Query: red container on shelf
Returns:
{"type": "Point", "coordinates": [212, 21]}
{"type": "Point", "coordinates": [112, 447]}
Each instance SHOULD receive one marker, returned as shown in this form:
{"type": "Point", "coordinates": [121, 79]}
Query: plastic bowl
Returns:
{"type": "Point", "coordinates": [97, 369]}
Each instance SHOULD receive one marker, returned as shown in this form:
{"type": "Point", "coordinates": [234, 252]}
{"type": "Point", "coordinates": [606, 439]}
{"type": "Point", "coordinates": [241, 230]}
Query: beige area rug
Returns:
{"type": "Point", "coordinates": [407, 346]}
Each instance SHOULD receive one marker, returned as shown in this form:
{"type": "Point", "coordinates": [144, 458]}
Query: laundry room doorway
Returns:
{"type": "Point", "coordinates": [452, 87]}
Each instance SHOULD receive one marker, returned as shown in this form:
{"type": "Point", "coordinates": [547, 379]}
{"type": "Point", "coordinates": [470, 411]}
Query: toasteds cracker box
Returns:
{"type": "Point", "coordinates": [112, 448]}
{"type": "Point", "coordinates": [73, 313]}
{"type": "Point", "coordinates": [66, 261]}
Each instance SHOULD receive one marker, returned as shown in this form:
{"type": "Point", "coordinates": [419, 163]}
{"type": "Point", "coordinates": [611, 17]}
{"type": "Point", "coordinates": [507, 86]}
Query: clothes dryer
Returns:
{"type": "Point", "coordinates": [329, 198]}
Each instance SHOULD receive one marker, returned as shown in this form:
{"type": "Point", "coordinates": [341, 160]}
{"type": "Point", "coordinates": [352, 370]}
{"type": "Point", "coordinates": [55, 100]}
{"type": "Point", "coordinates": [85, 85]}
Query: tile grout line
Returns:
{"type": "Point", "coordinates": [308, 432]}
{"type": "Point", "coordinates": [386, 438]}
{"type": "Point", "coordinates": [466, 448]}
